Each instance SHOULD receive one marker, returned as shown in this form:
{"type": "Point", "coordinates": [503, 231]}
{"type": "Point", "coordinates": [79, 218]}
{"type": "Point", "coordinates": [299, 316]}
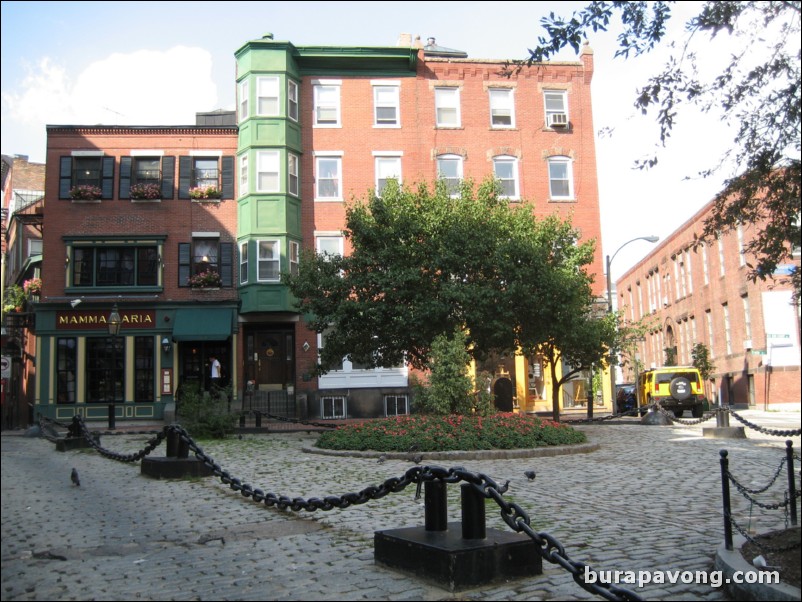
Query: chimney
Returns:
{"type": "Point", "coordinates": [431, 42]}
{"type": "Point", "coordinates": [404, 40]}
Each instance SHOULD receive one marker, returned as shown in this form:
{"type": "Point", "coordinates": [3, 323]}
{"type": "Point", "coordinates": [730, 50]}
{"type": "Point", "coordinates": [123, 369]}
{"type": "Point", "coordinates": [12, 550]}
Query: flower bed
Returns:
{"type": "Point", "coordinates": [448, 433]}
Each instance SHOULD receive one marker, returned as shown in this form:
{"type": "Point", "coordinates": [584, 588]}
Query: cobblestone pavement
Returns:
{"type": "Point", "coordinates": [648, 499]}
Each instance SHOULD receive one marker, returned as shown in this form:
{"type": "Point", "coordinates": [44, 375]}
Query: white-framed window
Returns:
{"type": "Point", "coordinates": [243, 175]}
{"type": "Point", "coordinates": [269, 261]}
{"type": "Point", "coordinates": [292, 99]}
{"type": "Point", "coordinates": [689, 271]}
{"type": "Point", "coordinates": [396, 405]}
{"type": "Point", "coordinates": [327, 103]}
{"type": "Point", "coordinates": [725, 308]}
{"type": "Point", "coordinates": [243, 262]}
{"type": "Point", "coordinates": [747, 317]}
{"type": "Point", "coordinates": [295, 257]}
{"type": "Point", "coordinates": [721, 255]}
{"type": "Point", "coordinates": [333, 407]}
{"type": "Point", "coordinates": [502, 108]}
{"type": "Point", "coordinates": [268, 98]}
{"type": "Point", "coordinates": [506, 171]}
{"type": "Point", "coordinates": [556, 106]}
{"type": "Point", "coordinates": [386, 105]}
{"type": "Point", "coordinates": [447, 109]}
{"type": "Point", "coordinates": [267, 171]}
{"type": "Point", "coordinates": [705, 265]}
{"type": "Point", "coordinates": [328, 178]}
{"type": "Point", "coordinates": [34, 246]}
{"type": "Point", "coordinates": [561, 178]}
{"type": "Point", "coordinates": [709, 320]}
{"type": "Point", "coordinates": [329, 244]}
{"type": "Point", "coordinates": [449, 169]}
{"type": "Point", "coordinates": [243, 100]}
{"type": "Point", "coordinates": [387, 167]}
{"type": "Point", "coordinates": [293, 169]}
{"type": "Point", "coordinates": [741, 251]}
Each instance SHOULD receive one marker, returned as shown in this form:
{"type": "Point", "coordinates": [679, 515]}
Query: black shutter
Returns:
{"type": "Point", "coordinates": [226, 263]}
{"type": "Point", "coordinates": [65, 177]}
{"type": "Point", "coordinates": [168, 177]}
{"type": "Point", "coordinates": [125, 177]}
{"type": "Point", "coordinates": [107, 175]}
{"type": "Point", "coordinates": [228, 177]}
{"type": "Point", "coordinates": [184, 176]}
{"type": "Point", "coordinates": [183, 263]}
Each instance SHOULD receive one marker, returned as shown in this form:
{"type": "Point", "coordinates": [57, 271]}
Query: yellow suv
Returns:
{"type": "Point", "coordinates": [676, 388]}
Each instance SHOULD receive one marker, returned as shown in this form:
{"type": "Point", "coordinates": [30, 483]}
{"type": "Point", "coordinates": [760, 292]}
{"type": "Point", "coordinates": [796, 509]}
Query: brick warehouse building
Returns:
{"type": "Point", "coordinates": [315, 127]}
{"type": "Point", "coordinates": [752, 329]}
{"type": "Point", "coordinates": [319, 126]}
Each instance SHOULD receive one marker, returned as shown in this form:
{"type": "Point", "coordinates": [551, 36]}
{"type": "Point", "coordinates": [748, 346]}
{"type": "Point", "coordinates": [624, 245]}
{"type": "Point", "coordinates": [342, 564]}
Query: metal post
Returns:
{"type": "Point", "coordinates": [590, 394]}
{"type": "Point", "coordinates": [725, 497]}
{"type": "Point", "coordinates": [171, 448]}
{"type": "Point", "coordinates": [435, 505]}
{"type": "Point", "coordinates": [258, 419]}
{"type": "Point", "coordinates": [473, 513]}
{"type": "Point", "coordinates": [789, 455]}
{"type": "Point", "coordinates": [112, 417]}
{"type": "Point", "coordinates": [722, 417]}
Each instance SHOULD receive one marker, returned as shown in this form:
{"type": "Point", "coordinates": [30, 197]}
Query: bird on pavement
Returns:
{"type": "Point", "coordinates": [74, 478]}
{"type": "Point", "coordinates": [417, 458]}
{"type": "Point", "coordinates": [530, 474]}
{"type": "Point", "coordinates": [381, 459]}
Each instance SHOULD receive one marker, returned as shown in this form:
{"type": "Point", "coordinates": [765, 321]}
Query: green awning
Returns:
{"type": "Point", "coordinates": [206, 324]}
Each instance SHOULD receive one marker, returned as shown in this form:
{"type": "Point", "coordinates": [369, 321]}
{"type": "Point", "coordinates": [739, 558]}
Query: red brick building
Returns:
{"type": "Point", "coordinates": [133, 214]}
{"type": "Point", "coordinates": [703, 295]}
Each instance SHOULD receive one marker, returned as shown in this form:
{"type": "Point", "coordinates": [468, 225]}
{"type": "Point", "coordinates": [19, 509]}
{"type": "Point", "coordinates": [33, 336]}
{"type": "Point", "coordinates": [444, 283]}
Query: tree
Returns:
{"type": "Point", "coordinates": [759, 92]}
{"type": "Point", "coordinates": [702, 361]}
{"type": "Point", "coordinates": [425, 264]}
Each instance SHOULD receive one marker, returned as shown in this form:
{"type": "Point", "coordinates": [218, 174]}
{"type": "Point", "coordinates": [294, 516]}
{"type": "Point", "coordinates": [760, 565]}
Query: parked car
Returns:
{"type": "Point", "coordinates": [676, 388]}
{"type": "Point", "coordinates": [625, 398]}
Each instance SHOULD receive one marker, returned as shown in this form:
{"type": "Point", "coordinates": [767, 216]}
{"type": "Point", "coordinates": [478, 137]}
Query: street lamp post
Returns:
{"type": "Point", "coordinates": [114, 323]}
{"type": "Point", "coordinates": [651, 239]}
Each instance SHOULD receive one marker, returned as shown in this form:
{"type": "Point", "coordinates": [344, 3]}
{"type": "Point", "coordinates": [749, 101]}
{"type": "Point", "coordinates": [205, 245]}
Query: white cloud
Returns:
{"type": "Point", "coordinates": [145, 87]}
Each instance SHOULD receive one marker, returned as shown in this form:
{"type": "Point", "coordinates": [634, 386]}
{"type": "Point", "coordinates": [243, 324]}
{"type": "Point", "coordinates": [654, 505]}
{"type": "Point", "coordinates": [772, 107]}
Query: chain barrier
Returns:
{"type": "Point", "coordinates": [293, 420]}
{"type": "Point", "coordinates": [547, 547]}
{"type": "Point", "coordinates": [743, 489]}
{"type": "Point", "coordinates": [761, 545]}
{"type": "Point", "coordinates": [765, 431]}
{"type": "Point", "coordinates": [745, 492]}
{"type": "Point", "coordinates": [670, 415]}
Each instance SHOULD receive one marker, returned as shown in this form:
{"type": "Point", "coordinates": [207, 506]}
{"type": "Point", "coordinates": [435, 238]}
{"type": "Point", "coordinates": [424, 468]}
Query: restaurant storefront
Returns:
{"type": "Point", "coordinates": [85, 368]}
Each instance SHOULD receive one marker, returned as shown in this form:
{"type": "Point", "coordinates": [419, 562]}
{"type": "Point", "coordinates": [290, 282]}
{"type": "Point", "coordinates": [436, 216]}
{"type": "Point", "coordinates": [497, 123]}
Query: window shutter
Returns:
{"type": "Point", "coordinates": [226, 263]}
{"type": "Point", "coordinates": [107, 178]}
{"type": "Point", "coordinates": [125, 177]}
{"type": "Point", "coordinates": [184, 176]}
{"type": "Point", "coordinates": [228, 177]}
{"type": "Point", "coordinates": [65, 177]}
{"type": "Point", "coordinates": [168, 177]}
{"type": "Point", "coordinates": [183, 263]}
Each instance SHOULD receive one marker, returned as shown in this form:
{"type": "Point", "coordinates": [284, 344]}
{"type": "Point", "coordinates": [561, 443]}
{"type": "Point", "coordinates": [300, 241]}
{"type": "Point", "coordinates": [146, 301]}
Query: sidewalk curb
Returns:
{"type": "Point", "coordinates": [731, 561]}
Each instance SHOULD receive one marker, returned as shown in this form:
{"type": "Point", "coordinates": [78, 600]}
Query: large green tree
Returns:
{"type": "Point", "coordinates": [758, 93]}
{"type": "Point", "coordinates": [424, 263]}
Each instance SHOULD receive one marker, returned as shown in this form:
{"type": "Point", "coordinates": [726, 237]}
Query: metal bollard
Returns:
{"type": "Point", "coordinates": [789, 458]}
{"type": "Point", "coordinates": [435, 505]}
{"type": "Point", "coordinates": [171, 448]}
{"type": "Point", "coordinates": [112, 416]}
{"type": "Point", "coordinates": [242, 420]}
{"type": "Point", "coordinates": [722, 418]}
{"type": "Point", "coordinates": [258, 419]}
{"type": "Point", "coordinates": [473, 513]}
{"type": "Point", "coordinates": [725, 497]}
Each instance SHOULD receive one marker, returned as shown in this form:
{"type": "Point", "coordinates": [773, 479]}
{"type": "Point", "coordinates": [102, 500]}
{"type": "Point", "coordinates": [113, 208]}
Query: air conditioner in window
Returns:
{"type": "Point", "coordinates": [558, 120]}
{"type": "Point", "coordinates": [747, 343]}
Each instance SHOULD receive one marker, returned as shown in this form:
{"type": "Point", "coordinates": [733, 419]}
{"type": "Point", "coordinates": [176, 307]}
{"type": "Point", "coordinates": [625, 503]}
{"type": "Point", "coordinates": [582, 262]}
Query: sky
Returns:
{"type": "Point", "coordinates": [117, 63]}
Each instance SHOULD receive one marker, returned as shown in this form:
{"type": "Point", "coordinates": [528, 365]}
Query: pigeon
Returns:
{"type": "Point", "coordinates": [381, 459]}
{"type": "Point", "coordinates": [417, 458]}
{"type": "Point", "coordinates": [413, 448]}
{"type": "Point", "coordinates": [530, 474]}
{"type": "Point", "coordinates": [74, 478]}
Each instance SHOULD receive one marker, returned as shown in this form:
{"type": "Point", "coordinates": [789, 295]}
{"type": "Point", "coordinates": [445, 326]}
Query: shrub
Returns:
{"type": "Point", "coordinates": [205, 415]}
{"type": "Point", "coordinates": [452, 432]}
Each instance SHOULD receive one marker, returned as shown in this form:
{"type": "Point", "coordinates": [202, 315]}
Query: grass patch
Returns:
{"type": "Point", "coordinates": [447, 433]}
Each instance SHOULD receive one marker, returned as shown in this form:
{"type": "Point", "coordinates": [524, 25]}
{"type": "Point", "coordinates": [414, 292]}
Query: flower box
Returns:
{"type": "Point", "coordinates": [85, 192]}
{"type": "Point", "coordinates": [201, 193]}
{"type": "Point", "coordinates": [145, 192]}
{"type": "Point", "coordinates": [206, 279]}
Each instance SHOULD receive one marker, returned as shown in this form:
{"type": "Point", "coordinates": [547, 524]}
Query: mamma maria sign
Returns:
{"type": "Point", "coordinates": [89, 320]}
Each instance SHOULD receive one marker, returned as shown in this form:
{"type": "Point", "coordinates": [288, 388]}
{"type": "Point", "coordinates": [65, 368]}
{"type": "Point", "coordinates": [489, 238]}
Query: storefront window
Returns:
{"type": "Point", "coordinates": [105, 369]}
{"type": "Point", "coordinates": [143, 369]}
{"type": "Point", "coordinates": [65, 369]}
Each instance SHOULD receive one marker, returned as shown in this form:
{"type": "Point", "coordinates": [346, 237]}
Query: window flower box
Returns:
{"type": "Point", "coordinates": [32, 286]}
{"type": "Point", "coordinates": [145, 192]}
{"type": "Point", "coordinates": [85, 192]}
{"type": "Point", "coordinates": [202, 193]}
{"type": "Point", "coordinates": [206, 279]}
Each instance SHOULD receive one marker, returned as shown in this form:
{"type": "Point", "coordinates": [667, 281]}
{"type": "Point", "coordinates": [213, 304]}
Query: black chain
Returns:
{"type": "Point", "coordinates": [133, 457]}
{"type": "Point", "coordinates": [765, 431]}
{"type": "Point", "coordinates": [295, 420]}
{"type": "Point", "coordinates": [777, 506]}
{"type": "Point", "coordinates": [743, 489]}
{"type": "Point", "coordinates": [707, 416]}
{"type": "Point", "coordinates": [762, 546]}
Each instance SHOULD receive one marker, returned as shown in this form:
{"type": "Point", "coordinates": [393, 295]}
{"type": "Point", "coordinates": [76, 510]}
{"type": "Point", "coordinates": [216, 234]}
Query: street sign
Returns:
{"type": "Point", "coordinates": [758, 352]}
{"type": "Point", "coordinates": [5, 367]}
{"type": "Point", "coordinates": [778, 336]}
